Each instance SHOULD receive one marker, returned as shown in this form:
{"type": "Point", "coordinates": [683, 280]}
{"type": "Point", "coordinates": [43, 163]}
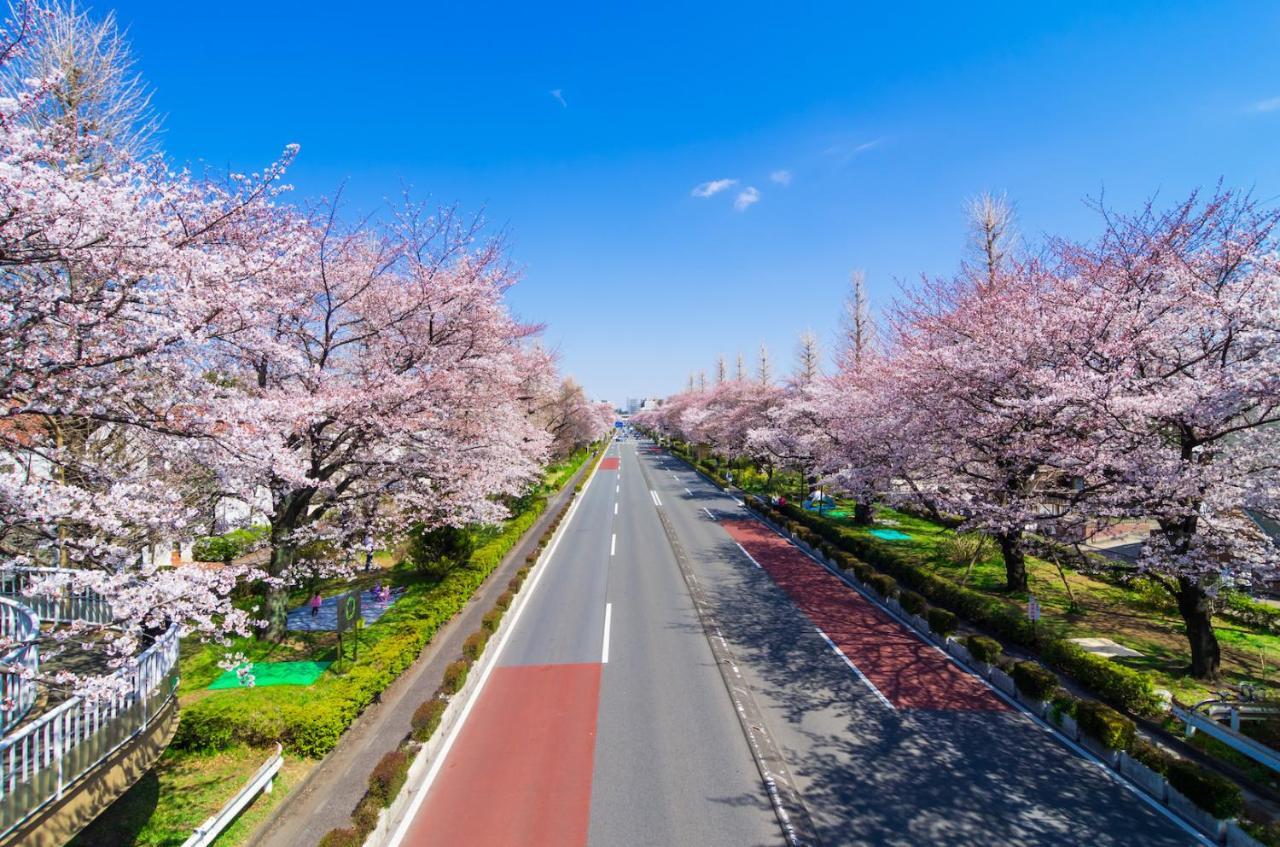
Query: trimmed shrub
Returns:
{"type": "Point", "coordinates": [454, 676]}
{"type": "Point", "coordinates": [365, 817]}
{"type": "Point", "coordinates": [388, 777]}
{"type": "Point", "coordinates": [1035, 680]}
{"type": "Point", "coordinates": [230, 545]}
{"type": "Point", "coordinates": [912, 603]}
{"type": "Point", "coordinates": [1063, 704]}
{"type": "Point", "coordinates": [1123, 688]}
{"type": "Point", "coordinates": [1105, 724]}
{"type": "Point", "coordinates": [984, 649]}
{"type": "Point", "coordinates": [474, 645]}
{"type": "Point", "coordinates": [1151, 756]}
{"type": "Point", "coordinates": [942, 622]}
{"type": "Point", "coordinates": [491, 620]}
{"type": "Point", "coordinates": [1215, 794]}
{"type": "Point", "coordinates": [504, 600]}
{"type": "Point", "coordinates": [426, 718]}
{"type": "Point", "coordinates": [515, 584]}
{"type": "Point", "coordinates": [885, 585]}
{"type": "Point", "coordinates": [342, 837]}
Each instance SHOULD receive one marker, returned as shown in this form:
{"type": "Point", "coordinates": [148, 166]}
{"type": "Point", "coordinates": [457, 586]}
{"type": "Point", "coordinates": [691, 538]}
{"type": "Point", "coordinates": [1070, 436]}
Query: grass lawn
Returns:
{"type": "Point", "coordinates": [182, 791]}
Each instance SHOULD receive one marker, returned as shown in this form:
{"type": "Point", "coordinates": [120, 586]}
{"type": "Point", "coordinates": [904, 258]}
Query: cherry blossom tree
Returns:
{"type": "Point", "coordinates": [1175, 325]}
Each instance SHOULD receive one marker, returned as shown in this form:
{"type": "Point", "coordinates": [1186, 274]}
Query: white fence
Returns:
{"type": "Point", "coordinates": [20, 625]}
{"type": "Point", "coordinates": [68, 605]}
{"type": "Point", "coordinates": [48, 754]}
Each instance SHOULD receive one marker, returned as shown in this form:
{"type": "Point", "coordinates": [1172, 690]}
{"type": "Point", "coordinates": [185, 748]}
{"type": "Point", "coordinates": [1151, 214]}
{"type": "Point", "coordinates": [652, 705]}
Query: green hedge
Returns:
{"type": "Point", "coordinates": [1105, 724]}
{"type": "Point", "coordinates": [983, 649]}
{"type": "Point", "coordinates": [229, 545]}
{"type": "Point", "coordinates": [1215, 794]}
{"type": "Point", "coordinates": [942, 622]}
{"type": "Point", "coordinates": [1034, 680]}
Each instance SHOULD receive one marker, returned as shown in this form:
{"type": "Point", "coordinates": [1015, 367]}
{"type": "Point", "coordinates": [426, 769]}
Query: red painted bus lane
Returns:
{"type": "Point", "coordinates": [908, 672]}
{"type": "Point", "coordinates": [519, 773]}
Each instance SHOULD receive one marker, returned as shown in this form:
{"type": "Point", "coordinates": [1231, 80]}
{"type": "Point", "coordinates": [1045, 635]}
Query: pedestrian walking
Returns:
{"type": "Point", "coordinates": [316, 602]}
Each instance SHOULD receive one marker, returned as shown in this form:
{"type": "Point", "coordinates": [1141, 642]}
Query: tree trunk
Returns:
{"type": "Point", "coordinates": [1015, 560]}
{"type": "Point", "coordinates": [1197, 612]}
{"type": "Point", "coordinates": [275, 596]}
{"type": "Point", "coordinates": [862, 513]}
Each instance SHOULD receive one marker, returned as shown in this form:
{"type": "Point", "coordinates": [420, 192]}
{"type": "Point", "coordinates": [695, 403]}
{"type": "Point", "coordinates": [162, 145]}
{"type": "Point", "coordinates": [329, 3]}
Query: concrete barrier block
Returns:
{"type": "Point", "coordinates": [981, 668]}
{"type": "Point", "coordinates": [1037, 707]}
{"type": "Point", "coordinates": [1003, 681]}
{"type": "Point", "coordinates": [955, 648]}
{"type": "Point", "coordinates": [1195, 815]}
{"type": "Point", "coordinates": [1068, 726]}
{"type": "Point", "coordinates": [1237, 837]}
{"type": "Point", "coordinates": [1103, 752]}
{"type": "Point", "coordinates": [1145, 778]}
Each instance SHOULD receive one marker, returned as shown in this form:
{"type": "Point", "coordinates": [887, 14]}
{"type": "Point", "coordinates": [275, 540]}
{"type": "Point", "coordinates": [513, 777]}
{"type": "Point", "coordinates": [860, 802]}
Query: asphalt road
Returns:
{"type": "Point", "coordinates": [607, 723]}
{"type": "Point", "coordinates": [955, 771]}
{"type": "Point", "coordinates": [565, 748]}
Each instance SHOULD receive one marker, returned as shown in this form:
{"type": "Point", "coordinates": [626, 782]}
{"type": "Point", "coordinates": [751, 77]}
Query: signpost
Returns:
{"type": "Point", "coordinates": [349, 618]}
{"type": "Point", "coordinates": [1033, 609]}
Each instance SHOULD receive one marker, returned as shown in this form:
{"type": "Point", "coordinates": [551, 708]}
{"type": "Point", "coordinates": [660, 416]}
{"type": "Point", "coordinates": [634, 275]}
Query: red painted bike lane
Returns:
{"type": "Point", "coordinates": [520, 770]}
{"type": "Point", "coordinates": [908, 672]}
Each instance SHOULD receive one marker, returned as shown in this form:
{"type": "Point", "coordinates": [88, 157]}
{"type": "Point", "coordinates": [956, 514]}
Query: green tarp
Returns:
{"type": "Point", "coordinates": [275, 673]}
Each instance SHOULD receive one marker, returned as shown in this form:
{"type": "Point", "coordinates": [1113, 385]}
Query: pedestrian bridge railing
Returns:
{"type": "Point", "coordinates": [42, 756]}
{"type": "Point", "coordinates": [19, 661]}
{"type": "Point", "coordinates": [67, 605]}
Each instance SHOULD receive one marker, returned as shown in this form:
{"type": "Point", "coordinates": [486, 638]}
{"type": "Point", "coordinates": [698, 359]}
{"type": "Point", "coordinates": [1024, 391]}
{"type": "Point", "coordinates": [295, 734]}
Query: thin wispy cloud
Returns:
{"type": "Point", "coordinates": [1271, 105]}
{"type": "Point", "coordinates": [715, 186]}
{"type": "Point", "coordinates": [558, 94]}
{"type": "Point", "coordinates": [746, 198]}
{"type": "Point", "coordinates": [782, 177]}
{"type": "Point", "coordinates": [844, 151]}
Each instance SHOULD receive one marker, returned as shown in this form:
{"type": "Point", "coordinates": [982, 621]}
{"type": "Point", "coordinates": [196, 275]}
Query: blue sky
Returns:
{"type": "Point", "coordinates": [885, 118]}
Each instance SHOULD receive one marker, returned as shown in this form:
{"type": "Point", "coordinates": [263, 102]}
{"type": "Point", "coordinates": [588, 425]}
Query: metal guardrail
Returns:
{"type": "Point", "coordinates": [1197, 721]}
{"type": "Point", "coordinates": [19, 625]}
{"type": "Point", "coordinates": [67, 606]}
{"type": "Point", "coordinates": [208, 831]}
{"type": "Point", "coordinates": [49, 753]}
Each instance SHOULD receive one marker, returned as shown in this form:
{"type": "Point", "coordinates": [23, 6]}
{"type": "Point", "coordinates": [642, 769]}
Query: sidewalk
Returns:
{"type": "Point", "coordinates": [333, 787]}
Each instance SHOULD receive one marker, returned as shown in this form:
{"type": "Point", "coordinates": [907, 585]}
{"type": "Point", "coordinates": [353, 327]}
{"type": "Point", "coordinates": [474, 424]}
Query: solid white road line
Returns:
{"type": "Point", "coordinates": [708, 511]}
{"type": "Point", "coordinates": [492, 662]}
{"type": "Point", "coordinates": [608, 620]}
{"type": "Point", "coordinates": [750, 558]}
{"type": "Point", "coordinates": [861, 675]}
{"type": "Point", "coordinates": [654, 495]}
{"type": "Point", "coordinates": [613, 544]}
{"type": "Point", "coordinates": [687, 491]}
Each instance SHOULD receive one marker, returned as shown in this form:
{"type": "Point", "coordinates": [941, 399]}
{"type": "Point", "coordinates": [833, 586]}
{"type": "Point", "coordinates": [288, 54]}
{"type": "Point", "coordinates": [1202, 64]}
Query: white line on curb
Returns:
{"type": "Point", "coordinates": [857, 670]}
{"type": "Point", "coordinates": [608, 620]}
{"type": "Point", "coordinates": [443, 753]}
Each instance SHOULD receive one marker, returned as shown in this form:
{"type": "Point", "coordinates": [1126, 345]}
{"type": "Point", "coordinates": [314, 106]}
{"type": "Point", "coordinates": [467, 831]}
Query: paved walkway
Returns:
{"type": "Point", "coordinates": [332, 789]}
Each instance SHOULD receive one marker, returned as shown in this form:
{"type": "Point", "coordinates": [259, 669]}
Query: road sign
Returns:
{"type": "Point", "coordinates": [348, 610]}
{"type": "Point", "coordinates": [1033, 609]}
{"type": "Point", "coordinates": [618, 424]}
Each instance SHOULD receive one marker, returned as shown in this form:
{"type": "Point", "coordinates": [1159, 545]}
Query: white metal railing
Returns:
{"type": "Point", "coordinates": [20, 627]}
{"type": "Point", "coordinates": [51, 752]}
{"type": "Point", "coordinates": [68, 605]}
{"type": "Point", "coordinates": [209, 831]}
